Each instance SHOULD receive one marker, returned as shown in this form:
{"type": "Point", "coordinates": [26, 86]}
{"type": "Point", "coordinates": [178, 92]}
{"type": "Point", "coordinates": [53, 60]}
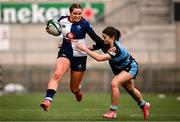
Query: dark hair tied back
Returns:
{"type": "Point", "coordinates": [118, 35]}
{"type": "Point", "coordinates": [111, 31]}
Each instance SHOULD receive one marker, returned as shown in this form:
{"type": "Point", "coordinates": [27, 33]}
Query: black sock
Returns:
{"type": "Point", "coordinates": [50, 94]}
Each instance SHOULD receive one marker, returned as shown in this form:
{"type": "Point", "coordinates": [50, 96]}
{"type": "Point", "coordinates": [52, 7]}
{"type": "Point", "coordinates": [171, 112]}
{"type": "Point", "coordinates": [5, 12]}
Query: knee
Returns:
{"type": "Point", "coordinates": [114, 84]}
{"type": "Point", "coordinates": [57, 76]}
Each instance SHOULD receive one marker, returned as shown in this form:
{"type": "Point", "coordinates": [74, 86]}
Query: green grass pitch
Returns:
{"type": "Point", "coordinates": [65, 108]}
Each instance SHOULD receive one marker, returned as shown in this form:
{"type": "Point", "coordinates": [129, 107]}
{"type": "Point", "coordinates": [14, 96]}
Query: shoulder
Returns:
{"type": "Point", "coordinates": [62, 17]}
{"type": "Point", "coordinates": [117, 44]}
{"type": "Point", "coordinates": [84, 22]}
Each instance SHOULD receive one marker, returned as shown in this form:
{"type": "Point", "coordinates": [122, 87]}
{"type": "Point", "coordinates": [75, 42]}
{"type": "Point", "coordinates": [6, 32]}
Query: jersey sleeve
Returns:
{"type": "Point", "coordinates": [96, 46]}
{"type": "Point", "coordinates": [99, 42]}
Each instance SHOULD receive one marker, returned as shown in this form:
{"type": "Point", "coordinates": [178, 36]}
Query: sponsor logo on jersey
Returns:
{"type": "Point", "coordinates": [112, 53]}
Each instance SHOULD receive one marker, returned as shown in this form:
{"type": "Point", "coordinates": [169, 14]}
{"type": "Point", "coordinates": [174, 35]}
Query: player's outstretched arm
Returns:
{"type": "Point", "coordinates": [96, 56]}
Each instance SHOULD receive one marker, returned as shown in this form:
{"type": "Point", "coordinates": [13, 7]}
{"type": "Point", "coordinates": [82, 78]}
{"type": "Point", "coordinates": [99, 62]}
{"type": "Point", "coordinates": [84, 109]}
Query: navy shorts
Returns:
{"type": "Point", "coordinates": [76, 63]}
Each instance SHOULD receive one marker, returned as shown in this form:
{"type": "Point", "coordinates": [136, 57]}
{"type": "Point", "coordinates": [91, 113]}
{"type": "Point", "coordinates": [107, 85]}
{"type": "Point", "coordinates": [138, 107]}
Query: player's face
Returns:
{"type": "Point", "coordinates": [107, 39]}
{"type": "Point", "coordinates": [76, 15]}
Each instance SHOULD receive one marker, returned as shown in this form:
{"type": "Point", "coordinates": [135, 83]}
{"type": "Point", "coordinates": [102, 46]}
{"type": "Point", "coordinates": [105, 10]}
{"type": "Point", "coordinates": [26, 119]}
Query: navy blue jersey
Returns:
{"type": "Point", "coordinates": [76, 32]}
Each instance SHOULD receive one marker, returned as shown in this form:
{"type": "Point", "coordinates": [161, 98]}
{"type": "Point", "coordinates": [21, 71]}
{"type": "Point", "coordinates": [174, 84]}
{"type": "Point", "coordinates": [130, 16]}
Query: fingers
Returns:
{"type": "Point", "coordinates": [112, 49]}
{"type": "Point", "coordinates": [47, 30]}
{"type": "Point", "coordinates": [79, 46]}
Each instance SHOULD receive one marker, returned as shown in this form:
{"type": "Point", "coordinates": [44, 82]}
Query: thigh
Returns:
{"type": "Point", "coordinates": [62, 65]}
{"type": "Point", "coordinates": [122, 78]}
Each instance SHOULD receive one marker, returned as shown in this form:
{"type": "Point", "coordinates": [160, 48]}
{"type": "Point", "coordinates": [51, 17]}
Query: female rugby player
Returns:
{"type": "Point", "coordinates": [74, 29]}
{"type": "Point", "coordinates": [123, 66]}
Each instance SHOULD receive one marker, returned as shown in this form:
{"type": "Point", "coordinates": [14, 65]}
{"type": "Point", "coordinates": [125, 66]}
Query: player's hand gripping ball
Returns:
{"type": "Point", "coordinates": [53, 27]}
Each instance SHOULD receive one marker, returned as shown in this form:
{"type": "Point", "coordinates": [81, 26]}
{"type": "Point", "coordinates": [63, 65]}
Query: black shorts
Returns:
{"type": "Point", "coordinates": [76, 63]}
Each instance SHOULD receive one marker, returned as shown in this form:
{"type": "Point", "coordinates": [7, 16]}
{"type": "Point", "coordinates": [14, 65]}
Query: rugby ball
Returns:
{"type": "Point", "coordinates": [54, 27]}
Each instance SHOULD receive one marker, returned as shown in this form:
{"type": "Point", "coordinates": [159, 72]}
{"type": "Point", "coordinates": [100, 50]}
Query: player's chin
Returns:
{"type": "Point", "coordinates": [77, 20]}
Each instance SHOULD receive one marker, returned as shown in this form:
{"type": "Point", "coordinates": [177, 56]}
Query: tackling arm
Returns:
{"type": "Point", "coordinates": [93, 54]}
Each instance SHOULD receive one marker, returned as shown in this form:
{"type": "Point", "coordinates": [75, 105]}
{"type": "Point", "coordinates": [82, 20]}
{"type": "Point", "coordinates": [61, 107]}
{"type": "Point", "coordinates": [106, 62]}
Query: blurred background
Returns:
{"type": "Point", "coordinates": [150, 32]}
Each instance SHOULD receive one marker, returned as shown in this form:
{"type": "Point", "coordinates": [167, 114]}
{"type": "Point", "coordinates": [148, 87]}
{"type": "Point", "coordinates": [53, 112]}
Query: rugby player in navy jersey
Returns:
{"type": "Point", "coordinates": [123, 66]}
{"type": "Point", "coordinates": [74, 29]}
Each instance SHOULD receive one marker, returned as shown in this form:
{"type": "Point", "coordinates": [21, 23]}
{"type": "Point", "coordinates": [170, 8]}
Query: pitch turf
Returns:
{"type": "Point", "coordinates": [65, 108]}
